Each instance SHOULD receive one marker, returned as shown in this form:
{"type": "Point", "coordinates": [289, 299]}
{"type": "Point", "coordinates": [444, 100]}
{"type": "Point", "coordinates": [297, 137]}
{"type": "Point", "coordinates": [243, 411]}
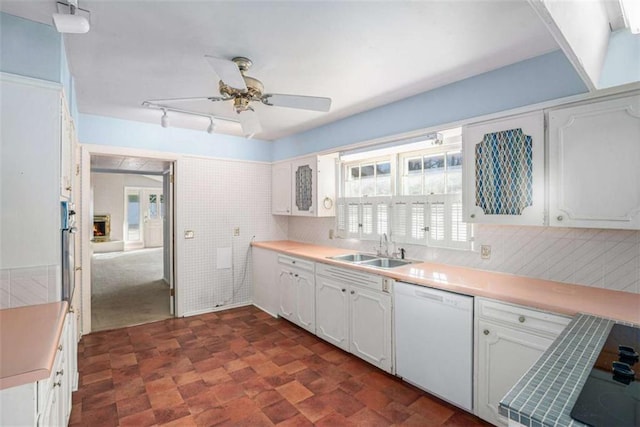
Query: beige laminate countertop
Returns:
{"type": "Point", "coordinates": [542, 294]}
{"type": "Point", "coordinates": [28, 342]}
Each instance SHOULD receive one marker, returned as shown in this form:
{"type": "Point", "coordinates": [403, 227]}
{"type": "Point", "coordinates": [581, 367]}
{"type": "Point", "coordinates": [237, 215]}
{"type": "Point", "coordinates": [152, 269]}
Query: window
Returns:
{"type": "Point", "coordinates": [426, 207]}
{"type": "Point", "coordinates": [372, 178]}
{"type": "Point", "coordinates": [425, 173]}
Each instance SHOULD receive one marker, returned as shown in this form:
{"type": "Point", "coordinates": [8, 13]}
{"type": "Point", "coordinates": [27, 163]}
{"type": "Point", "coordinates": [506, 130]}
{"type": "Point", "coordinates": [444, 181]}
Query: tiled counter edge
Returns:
{"type": "Point", "coordinates": [545, 395]}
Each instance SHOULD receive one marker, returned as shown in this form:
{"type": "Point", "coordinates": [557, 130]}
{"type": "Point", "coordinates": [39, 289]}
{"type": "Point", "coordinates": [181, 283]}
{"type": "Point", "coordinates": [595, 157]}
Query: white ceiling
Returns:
{"type": "Point", "coordinates": [361, 54]}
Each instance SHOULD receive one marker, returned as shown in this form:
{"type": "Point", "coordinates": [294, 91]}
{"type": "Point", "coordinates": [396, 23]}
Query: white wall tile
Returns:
{"type": "Point", "coordinates": [602, 258]}
{"type": "Point", "coordinates": [216, 196]}
{"type": "Point", "coordinates": [5, 289]}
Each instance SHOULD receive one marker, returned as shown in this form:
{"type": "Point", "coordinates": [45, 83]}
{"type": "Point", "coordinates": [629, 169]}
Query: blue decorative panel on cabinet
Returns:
{"type": "Point", "coordinates": [504, 172]}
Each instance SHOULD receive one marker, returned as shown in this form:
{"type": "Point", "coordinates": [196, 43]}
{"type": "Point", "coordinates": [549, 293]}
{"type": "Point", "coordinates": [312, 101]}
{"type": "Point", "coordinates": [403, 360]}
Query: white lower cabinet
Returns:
{"type": "Point", "coordinates": [353, 312]}
{"type": "Point", "coordinates": [510, 339]}
{"type": "Point", "coordinates": [296, 282]}
{"type": "Point", "coordinates": [46, 402]}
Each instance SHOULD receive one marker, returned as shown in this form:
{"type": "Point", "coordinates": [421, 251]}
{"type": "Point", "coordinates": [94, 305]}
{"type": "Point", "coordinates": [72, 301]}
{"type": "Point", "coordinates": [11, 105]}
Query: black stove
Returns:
{"type": "Point", "coordinates": [611, 395]}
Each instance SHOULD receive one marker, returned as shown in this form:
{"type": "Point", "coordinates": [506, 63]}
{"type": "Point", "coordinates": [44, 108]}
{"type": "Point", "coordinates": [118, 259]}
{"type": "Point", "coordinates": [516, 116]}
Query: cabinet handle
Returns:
{"type": "Point", "coordinates": [559, 218]}
{"type": "Point", "coordinates": [287, 210]}
{"type": "Point", "coordinates": [344, 290]}
{"type": "Point", "coordinates": [293, 262]}
{"type": "Point", "coordinates": [60, 347]}
{"type": "Point", "coordinates": [58, 384]}
{"type": "Point", "coordinates": [486, 332]}
{"type": "Point", "coordinates": [60, 372]}
{"type": "Point", "coordinates": [295, 275]}
{"type": "Point", "coordinates": [68, 188]}
{"type": "Point", "coordinates": [353, 292]}
{"type": "Point", "coordinates": [521, 319]}
{"type": "Point", "coordinates": [473, 215]}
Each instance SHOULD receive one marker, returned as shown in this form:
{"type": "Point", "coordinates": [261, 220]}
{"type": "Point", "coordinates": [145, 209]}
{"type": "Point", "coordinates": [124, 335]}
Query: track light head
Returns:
{"type": "Point", "coordinates": [72, 22]}
{"type": "Point", "coordinates": [212, 126]}
{"type": "Point", "coordinates": [164, 120]}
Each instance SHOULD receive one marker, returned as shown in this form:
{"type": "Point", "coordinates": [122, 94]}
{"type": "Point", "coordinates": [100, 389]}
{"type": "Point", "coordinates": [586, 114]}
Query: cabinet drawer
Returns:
{"type": "Point", "coordinates": [296, 263]}
{"type": "Point", "coordinates": [522, 317]}
{"type": "Point", "coordinates": [353, 277]}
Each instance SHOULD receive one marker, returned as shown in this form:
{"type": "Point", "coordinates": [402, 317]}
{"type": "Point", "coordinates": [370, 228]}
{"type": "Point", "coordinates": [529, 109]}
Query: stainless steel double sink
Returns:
{"type": "Point", "coordinates": [371, 260]}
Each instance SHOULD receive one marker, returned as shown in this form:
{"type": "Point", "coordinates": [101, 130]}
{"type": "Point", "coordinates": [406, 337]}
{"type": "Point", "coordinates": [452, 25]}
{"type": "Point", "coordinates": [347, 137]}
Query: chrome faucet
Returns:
{"type": "Point", "coordinates": [386, 244]}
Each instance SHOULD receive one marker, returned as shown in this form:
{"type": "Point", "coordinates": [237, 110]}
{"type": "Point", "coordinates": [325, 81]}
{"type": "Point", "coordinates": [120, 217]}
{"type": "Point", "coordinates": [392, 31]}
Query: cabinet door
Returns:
{"type": "Point", "coordinates": [332, 311]}
{"type": "Point", "coordinates": [287, 287]}
{"type": "Point", "coordinates": [370, 325]}
{"type": "Point", "coordinates": [594, 153]}
{"type": "Point", "coordinates": [503, 170]}
{"type": "Point", "coordinates": [281, 189]}
{"type": "Point", "coordinates": [504, 355]}
{"type": "Point", "coordinates": [305, 300]}
{"type": "Point", "coordinates": [304, 187]}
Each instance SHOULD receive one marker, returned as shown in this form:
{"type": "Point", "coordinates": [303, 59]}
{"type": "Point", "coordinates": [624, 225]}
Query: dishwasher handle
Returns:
{"type": "Point", "coordinates": [422, 294]}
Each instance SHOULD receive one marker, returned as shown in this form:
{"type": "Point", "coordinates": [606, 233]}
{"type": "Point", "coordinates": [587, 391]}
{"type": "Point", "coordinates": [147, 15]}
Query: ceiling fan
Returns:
{"type": "Point", "coordinates": [244, 90]}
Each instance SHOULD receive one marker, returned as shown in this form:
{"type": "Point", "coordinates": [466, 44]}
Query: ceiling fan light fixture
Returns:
{"type": "Point", "coordinates": [164, 120]}
{"type": "Point", "coordinates": [72, 22]}
{"type": "Point", "coordinates": [212, 127]}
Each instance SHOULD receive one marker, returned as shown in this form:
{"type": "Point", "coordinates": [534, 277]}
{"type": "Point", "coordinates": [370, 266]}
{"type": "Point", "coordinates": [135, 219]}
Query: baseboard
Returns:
{"type": "Point", "coordinates": [220, 308]}
{"type": "Point", "coordinates": [265, 310]}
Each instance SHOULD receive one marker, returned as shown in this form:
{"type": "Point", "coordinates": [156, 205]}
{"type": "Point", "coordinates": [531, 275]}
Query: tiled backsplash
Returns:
{"type": "Point", "coordinates": [601, 258]}
{"type": "Point", "coordinates": [28, 286]}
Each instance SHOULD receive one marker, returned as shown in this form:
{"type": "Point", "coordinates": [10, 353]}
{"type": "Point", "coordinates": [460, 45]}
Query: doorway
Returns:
{"type": "Point", "coordinates": [132, 267]}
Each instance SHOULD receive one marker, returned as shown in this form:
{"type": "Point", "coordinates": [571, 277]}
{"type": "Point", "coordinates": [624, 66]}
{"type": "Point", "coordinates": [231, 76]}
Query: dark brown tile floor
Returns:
{"type": "Point", "coordinates": [240, 367]}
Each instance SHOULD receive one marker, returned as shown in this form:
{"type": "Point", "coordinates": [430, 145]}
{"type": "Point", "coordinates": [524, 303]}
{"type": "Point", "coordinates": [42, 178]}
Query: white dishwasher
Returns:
{"type": "Point", "coordinates": [434, 341]}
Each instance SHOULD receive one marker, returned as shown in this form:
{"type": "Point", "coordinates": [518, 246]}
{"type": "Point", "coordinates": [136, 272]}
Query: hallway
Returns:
{"type": "Point", "coordinates": [128, 289]}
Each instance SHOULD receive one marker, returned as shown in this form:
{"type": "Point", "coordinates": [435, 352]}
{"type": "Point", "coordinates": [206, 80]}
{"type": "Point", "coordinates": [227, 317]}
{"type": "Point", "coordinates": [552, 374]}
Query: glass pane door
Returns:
{"type": "Point", "coordinates": [132, 225]}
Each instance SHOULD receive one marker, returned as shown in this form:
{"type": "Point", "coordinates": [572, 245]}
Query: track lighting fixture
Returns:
{"type": "Point", "coordinates": [72, 22]}
{"type": "Point", "coordinates": [164, 120]}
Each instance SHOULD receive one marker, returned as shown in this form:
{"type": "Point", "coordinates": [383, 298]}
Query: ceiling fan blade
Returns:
{"type": "Point", "coordinates": [198, 98]}
{"type": "Point", "coordinates": [228, 72]}
{"type": "Point", "coordinates": [314, 103]}
{"type": "Point", "coordinates": [249, 122]}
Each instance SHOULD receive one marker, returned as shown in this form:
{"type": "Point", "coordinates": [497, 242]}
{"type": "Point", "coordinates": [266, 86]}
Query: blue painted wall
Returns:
{"type": "Point", "coordinates": [125, 133]}
{"type": "Point", "coordinates": [36, 50]}
{"type": "Point", "coordinates": [29, 48]}
{"type": "Point", "coordinates": [539, 79]}
{"type": "Point", "coordinates": [622, 62]}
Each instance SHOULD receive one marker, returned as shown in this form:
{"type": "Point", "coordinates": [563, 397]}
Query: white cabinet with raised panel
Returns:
{"type": "Point", "coordinates": [503, 170]}
{"type": "Point", "coordinates": [281, 189]}
{"type": "Point", "coordinates": [510, 339]}
{"type": "Point", "coordinates": [304, 187]}
{"type": "Point", "coordinates": [353, 312]}
{"type": "Point", "coordinates": [594, 158]}
{"type": "Point", "coordinates": [296, 283]}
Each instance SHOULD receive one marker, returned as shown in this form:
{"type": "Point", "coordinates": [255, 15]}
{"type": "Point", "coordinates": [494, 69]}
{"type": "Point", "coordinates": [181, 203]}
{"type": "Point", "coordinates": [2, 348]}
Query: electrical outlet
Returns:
{"type": "Point", "coordinates": [236, 231]}
{"type": "Point", "coordinates": [485, 251]}
{"type": "Point", "coordinates": [188, 234]}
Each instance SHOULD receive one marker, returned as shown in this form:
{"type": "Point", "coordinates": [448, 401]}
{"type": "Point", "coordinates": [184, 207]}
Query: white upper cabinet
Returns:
{"type": "Point", "coordinates": [594, 164]}
{"type": "Point", "coordinates": [503, 172]}
{"type": "Point", "coordinates": [281, 189]}
{"type": "Point", "coordinates": [304, 187]}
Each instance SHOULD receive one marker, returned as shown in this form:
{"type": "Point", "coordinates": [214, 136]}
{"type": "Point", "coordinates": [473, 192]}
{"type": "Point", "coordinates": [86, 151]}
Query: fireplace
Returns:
{"type": "Point", "coordinates": [101, 228]}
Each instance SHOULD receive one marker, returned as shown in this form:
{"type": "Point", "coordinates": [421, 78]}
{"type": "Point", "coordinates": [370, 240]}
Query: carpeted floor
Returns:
{"type": "Point", "coordinates": [127, 289]}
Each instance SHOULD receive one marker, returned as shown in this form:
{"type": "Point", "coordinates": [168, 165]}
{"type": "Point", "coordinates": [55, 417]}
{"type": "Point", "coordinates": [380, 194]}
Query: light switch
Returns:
{"type": "Point", "coordinates": [188, 234]}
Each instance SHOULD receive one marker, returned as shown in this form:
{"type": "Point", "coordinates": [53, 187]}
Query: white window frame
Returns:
{"type": "Point", "coordinates": [346, 169]}
{"type": "Point", "coordinates": [409, 218]}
